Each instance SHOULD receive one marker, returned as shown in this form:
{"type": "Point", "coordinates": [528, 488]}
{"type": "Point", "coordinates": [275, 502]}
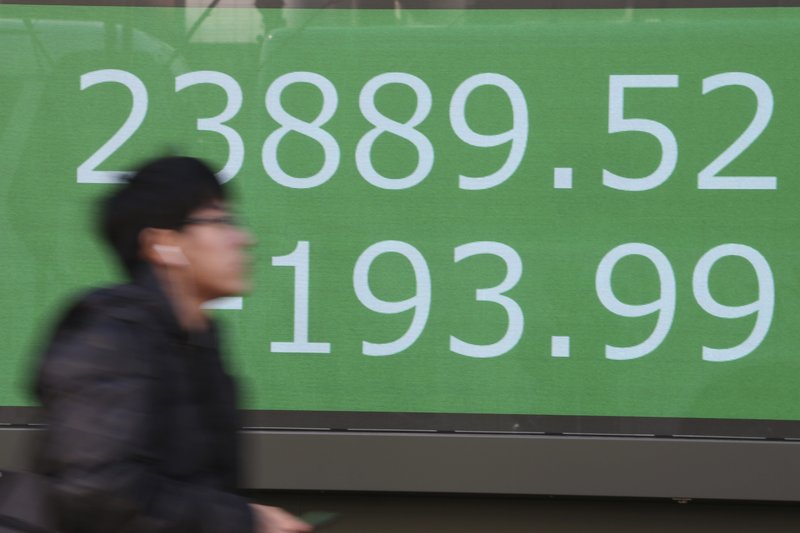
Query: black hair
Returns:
{"type": "Point", "coordinates": [161, 194]}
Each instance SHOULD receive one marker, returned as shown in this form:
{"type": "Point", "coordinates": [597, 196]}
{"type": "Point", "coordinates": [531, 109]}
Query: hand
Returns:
{"type": "Point", "coordinates": [275, 520]}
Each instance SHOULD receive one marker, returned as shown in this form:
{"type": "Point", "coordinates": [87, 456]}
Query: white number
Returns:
{"type": "Point", "coordinates": [421, 301]}
{"type": "Point", "coordinates": [708, 178]}
{"type": "Point", "coordinates": [516, 320]}
{"type": "Point", "coordinates": [665, 305]}
{"type": "Point", "coordinates": [87, 171]}
{"type": "Point", "coordinates": [404, 130]}
{"type": "Point", "coordinates": [299, 260]}
{"type": "Point", "coordinates": [313, 130]}
{"type": "Point", "coordinates": [618, 123]}
{"type": "Point", "coordinates": [764, 306]}
{"type": "Point", "coordinates": [517, 135]}
{"type": "Point", "coordinates": [217, 124]}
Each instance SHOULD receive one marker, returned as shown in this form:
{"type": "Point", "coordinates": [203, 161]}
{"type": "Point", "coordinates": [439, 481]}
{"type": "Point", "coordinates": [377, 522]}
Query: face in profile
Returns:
{"type": "Point", "coordinates": [215, 248]}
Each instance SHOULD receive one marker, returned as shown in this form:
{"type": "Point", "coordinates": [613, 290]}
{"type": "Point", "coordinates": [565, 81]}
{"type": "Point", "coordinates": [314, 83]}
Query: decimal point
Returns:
{"type": "Point", "coordinates": [562, 178]}
{"type": "Point", "coordinates": [559, 347]}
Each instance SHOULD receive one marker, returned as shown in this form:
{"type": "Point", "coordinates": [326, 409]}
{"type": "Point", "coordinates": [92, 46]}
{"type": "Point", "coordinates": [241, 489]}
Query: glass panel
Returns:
{"type": "Point", "coordinates": [530, 218]}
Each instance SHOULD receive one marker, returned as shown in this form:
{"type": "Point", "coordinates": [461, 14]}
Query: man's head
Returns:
{"type": "Point", "coordinates": [172, 215]}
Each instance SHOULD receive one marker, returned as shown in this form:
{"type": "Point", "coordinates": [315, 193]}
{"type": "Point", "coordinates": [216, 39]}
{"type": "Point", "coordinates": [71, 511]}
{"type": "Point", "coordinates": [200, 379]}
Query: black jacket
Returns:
{"type": "Point", "coordinates": [142, 422]}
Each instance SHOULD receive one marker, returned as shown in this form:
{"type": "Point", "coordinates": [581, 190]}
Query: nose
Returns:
{"type": "Point", "coordinates": [245, 238]}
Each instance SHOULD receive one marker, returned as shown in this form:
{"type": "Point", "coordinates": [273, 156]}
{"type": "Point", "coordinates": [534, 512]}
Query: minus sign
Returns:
{"type": "Point", "coordinates": [233, 303]}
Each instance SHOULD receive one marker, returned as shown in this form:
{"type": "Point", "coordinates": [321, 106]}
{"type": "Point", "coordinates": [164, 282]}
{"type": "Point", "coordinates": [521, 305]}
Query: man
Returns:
{"type": "Point", "coordinates": [141, 414]}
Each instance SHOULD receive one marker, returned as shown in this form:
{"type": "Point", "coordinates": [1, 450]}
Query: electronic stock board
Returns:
{"type": "Point", "coordinates": [513, 221]}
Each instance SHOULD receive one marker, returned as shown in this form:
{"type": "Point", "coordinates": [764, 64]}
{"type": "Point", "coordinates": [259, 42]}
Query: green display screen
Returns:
{"type": "Point", "coordinates": [510, 212]}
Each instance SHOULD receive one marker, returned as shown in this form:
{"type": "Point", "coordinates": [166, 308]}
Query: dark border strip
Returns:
{"type": "Point", "coordinates": [488, 423]}
{"type": "Point", "coordinates": [434, 4]}
{"type": "Point", "coordinates": [524, 424]}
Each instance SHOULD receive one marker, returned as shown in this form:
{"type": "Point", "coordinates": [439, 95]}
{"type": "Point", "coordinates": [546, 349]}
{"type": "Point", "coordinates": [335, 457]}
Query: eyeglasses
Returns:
{"type": "Point", "coordinates": [221, 220]}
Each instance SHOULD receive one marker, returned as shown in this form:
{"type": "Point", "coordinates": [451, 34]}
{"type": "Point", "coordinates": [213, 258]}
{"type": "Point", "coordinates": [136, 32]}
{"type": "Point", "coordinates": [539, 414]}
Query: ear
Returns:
{"type": "Point", "coordinates": [162, 247]}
